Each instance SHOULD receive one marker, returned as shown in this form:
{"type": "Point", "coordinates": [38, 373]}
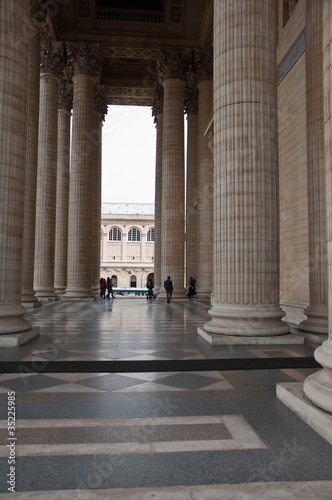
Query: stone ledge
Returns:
{"type": "Point", "coordinates": [292, 395]}
{"type": "Point", "coordinates": [19, 339]}
{"type": "Point", "coordinates": [215, 339]}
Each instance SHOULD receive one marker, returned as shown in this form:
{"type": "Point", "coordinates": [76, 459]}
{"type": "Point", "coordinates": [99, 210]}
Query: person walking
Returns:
{"type": "Point", "coordinates": [109, 286]}
{"type": "Point", "coordinates": [168, 285]}
{"type": "Point", "coordinates": [102, 287]}
{"type": "Point", "coordinates": [150, 286]}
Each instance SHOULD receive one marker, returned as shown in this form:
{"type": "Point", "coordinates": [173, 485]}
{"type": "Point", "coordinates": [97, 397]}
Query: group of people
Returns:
{"type": "Point", "coordinates": [168, 285]}
{"type": "Point", "coordinates": [106, 286]}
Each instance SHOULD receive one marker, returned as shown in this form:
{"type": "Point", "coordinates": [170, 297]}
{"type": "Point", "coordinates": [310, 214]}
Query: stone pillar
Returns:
{"type": "Point", "coordinates": [246, 256]}
{"type": "Point", "coordinates": [191, 199]}
{"type": "Point", "coordinates": [28, 252]}
{"type": "Point", "coordinates": [62, 192]}
{"type": "Point", "coordinates": [318, 387]}
{"type": "Point", "coordinates": [52, 61]}
{"type": "Point", "coordinates": [84, 63]}
{"type": "Point", "coordinates": [99, 118]}
{"type": "Point", "coordinates": [204, 275]}
{"type": "Point", "coordinates": [14, 82]}
{"type": "Point", "coordinates": [172, 225]}
{"type": "Point", "coordinates": [316, 312]}
{"type": "Point", "coordinates": [157, 111]}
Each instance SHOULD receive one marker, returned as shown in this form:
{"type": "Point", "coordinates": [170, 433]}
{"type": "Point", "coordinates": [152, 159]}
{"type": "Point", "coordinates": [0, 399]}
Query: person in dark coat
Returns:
{"type": "Point", "coordinates": [168, 285]}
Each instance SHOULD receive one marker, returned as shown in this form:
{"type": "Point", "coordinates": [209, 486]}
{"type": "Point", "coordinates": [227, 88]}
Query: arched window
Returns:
{"type": "Point", "coordinates": [150, 277]}
{"type": "Point", "coordinates": [114, 280]}
{"type": "Point", "coordinates": [133, 281]}
{"type": "Point", "coordinates": [134, 235]}
{"type": "Point", "coordinates": [114, 234]}
{"type": "Point", "coordinates": [150, 235]}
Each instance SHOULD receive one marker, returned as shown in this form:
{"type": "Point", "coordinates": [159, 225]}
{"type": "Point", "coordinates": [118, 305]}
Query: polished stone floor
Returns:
{"type": "Point", "coordinates": [170, 434]}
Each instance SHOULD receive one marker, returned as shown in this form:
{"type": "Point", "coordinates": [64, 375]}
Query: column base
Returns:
{"type": "Point", "coordinates": [217, 339]}
{"type": "Point", "coordinates": [47, 294]}
{"type": "Point", "coordinates": [246, 321]}
{"type": "Point", "coordinates": [316, 322]}
{"type": "Point", "coordinates": [31, 305]}
{"type": "Point", "coordinates": [292, 395]}
{"type": "Point", "coordinates": [175, 295]}
{"type": "Point", "coordinates": [78, 295]}
{"type": "Point", "coordinates": [19, 339]}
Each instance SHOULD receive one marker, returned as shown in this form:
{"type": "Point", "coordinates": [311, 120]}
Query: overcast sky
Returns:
{"type": "Point", "coordinates": [128, 155]}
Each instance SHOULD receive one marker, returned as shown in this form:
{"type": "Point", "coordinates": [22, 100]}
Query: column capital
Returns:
{"type": "Point", "coordinates": [204, 66]}
{"type": "Point", "coordinates": [191, 100]}
{"type": "Point", "coordinates": [158, 103]}
{"type": "Point", "coordinates": [84, 59]}
{"type": "Point", "coordinates": [37, 14]}
{"type": "Point", "coordinates": [52, 58]}
{"type": "Point", "coordinates": [65, 96]}
{"type": "Point", "coordinates": [172, 65]}
{"type": "Point", "coordinates": [101, 101]}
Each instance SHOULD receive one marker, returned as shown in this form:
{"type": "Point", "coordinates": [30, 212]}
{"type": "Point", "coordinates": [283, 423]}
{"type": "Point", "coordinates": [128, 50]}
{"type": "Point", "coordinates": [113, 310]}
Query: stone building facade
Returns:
{"type": "Point", "coordinates": [254, 79]}
{"type": "Point", "coordinates": [127, 244]}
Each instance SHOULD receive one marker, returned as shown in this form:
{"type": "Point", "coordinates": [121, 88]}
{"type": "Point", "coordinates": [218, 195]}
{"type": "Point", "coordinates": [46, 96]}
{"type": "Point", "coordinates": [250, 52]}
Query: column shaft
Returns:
{"type": "Point", "coordinates": [28, 293]}
{"type": "Point", "coordinates": [158, 212]}
{"type": "Point", "coordinates": [318, 387]}
{"type": "Point", "coordinates": [191, 200]}
{"type": "Point", "coordinates": [205, 197]}
{"type": "Point", "coordinates": [62, 200]}
{"type": "Point", "coordinates": [316, 312]}
{"type": "Point", "coordinates": [172, 238]}
{"type": "Point", "coordinates": [246, 257]}
{"type": "Point", "coordinates": [46, 187]}
{"type": "Point", "coordinates": [81, 191]}
{"type": "Point", "coordinates": [96, 209]}
{"type": "Point", "coordinates": [14, 81]}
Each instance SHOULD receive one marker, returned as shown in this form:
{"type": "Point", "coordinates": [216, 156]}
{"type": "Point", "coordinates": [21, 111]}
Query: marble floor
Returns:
{"type": "Point", "coordinates": [171, 434]}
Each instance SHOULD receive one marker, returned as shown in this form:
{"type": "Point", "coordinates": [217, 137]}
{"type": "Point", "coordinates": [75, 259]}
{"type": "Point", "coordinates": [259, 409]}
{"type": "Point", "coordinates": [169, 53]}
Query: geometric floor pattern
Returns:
{"type": "Point", "coordinates": [161, 435]}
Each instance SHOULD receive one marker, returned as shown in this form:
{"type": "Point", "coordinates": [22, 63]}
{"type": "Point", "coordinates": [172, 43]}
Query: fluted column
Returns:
{"type": "Point", "coordinates": [62, 192]}
{"type": "Point", "coordinates": [172, 224]}
{"type": "Point", "coordinates": [318, 387]}
{"type": "Point", "coordinates": [52, 60]}
{"type": "Point", "coordinates": [246, 257]}
{"type": "Point", "coordinates": [83, 61]}
{"type": "Point", "coordinates": [99, 118]}
{"type": "Point", "coordinates": [28, 251]}
{"type": "Point", "coordinates": [204, 275]}
{"type": "Point", "coordinates": [157, 111]}
{"type": "Point", "coordinates": [14, 81]}
{"type": "Point", "coordinates": [191, 198]}
{"type": "Point", "coordinates": [316, 312]}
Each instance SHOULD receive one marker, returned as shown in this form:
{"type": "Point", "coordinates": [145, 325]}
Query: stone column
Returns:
{"type": "Point", "coordinates": [191, 199]}
{"type": "Point", "coordinates": [316, 312]}
{"type": "Point", "coordinates": [28, 252]}
{"type": "Point", "coordinates": [84, 63]}
{"type": "Point", "coordinates": [99, 118]}
{"type": "Point", "coordinates": [204, 275]}
{"type": "Point", "coordinates": [157, 111]}
{"type": "Point", "coordinates": [246, 256]}
{"type": "Point", "coordinates": [62, 192]}
{"type": "Point", "coordinates": [172, 225]}
{"type": "Point", "coordinates": [52, 61]}
{"type": "Point", "coordinates": [14, 82]}
{"type": "Point", "coordinates": [318, 387]}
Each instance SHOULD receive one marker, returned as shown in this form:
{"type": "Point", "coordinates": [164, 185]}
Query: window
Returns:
{"type": "Point", "coordinates": [114, 234]}
{"type": "Point", "coordinates": [150, 235]}
{"type": "Point", "coordinates": [114, 280]}
{"type": "Point", "coordinates": [133, 281]}
{"type": "Point", "coordinates": [134, 235]}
